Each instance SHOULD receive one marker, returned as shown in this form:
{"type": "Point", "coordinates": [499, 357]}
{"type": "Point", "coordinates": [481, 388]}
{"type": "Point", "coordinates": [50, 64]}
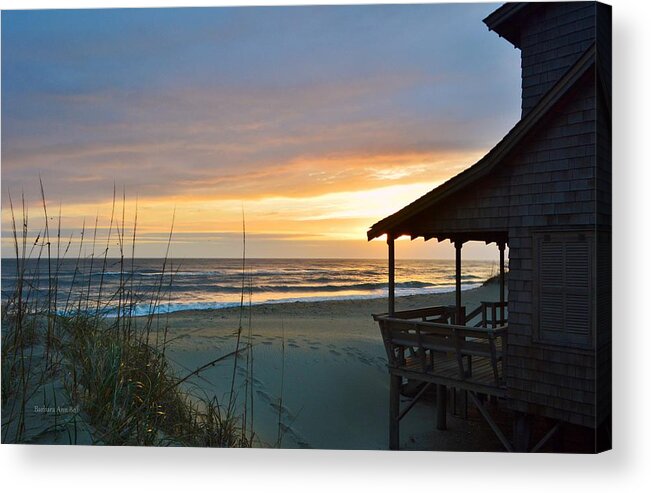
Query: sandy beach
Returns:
{"type": "Point", "coordinates": [335, 385]}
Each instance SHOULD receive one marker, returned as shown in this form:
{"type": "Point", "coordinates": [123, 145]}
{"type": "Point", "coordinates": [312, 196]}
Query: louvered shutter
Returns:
{"type": "Point", "coordinates": [564, 265]}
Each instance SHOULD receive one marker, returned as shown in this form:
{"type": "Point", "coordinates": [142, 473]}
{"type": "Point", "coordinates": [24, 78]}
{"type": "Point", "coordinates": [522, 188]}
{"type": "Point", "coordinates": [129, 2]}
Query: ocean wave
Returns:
{"type": "Point", "coordinates": [145, 309]}
{"type": "Point", "coordinates": [289, 288]}
{"type": "Point", "coordinates": [217, 283]}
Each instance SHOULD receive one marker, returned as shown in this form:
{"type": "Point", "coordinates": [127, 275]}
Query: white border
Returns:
{"type": "Point", "coordinates": [628, 467]}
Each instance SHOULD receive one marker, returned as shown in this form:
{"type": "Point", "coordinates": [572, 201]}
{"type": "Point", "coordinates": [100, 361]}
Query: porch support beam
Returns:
{"type": "Point", "coordinates": [392, 274]}
{"type": "Point", "coordinates": [548, 436]}
{"type": "Point", "coordinates": [413, 402]}
{"type": "Point", "coordinates": [459, 309]}
{"type": "Point", "coordinates": [496, 429]}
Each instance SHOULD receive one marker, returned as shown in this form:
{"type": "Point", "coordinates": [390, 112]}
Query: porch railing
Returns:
{"type": "Point", "coordinates": [428, 345]}
{"type": "Point", "coordinates": [429, 342]}
{"type": "Point", "coordinates": [493, 314]}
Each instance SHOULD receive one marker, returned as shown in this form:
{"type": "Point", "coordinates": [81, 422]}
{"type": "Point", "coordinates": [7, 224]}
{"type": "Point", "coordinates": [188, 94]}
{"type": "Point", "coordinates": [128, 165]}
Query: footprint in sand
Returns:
{"type": "Point", "coordinates": [314, 348]}
{"type": "Point", "coordinates": [263, 395]}
{"type": "Point", "coordinates": [335, 352]}
{"type": "Point", "coordinates": [291, 434]}
{"type": "Point", "coordinates": [285, 428]}
{"type": "Point", "coordinates": [243, 373]}
{"type": "Point", "coordinates": [292, 344]}
{"type": "Point", "coordinates": [283, 410]}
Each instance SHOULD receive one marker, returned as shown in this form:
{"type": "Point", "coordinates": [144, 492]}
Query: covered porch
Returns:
{"type": "Point", "coordinates": [458, 350]}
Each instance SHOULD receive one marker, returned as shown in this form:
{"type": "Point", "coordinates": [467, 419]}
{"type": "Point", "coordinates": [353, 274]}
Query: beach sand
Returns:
{"type": "Point", "coordinates": [335, 384]}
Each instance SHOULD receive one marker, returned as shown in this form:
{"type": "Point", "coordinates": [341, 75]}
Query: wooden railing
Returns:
{"type": "Point", "coordinates": [493, 314]}
{"type": "Point", "coordinates": [442, 314]}
{"type": "Point", "coordinates": [414, 339]}
{"type": "Point", "coordinates": [428, 346]}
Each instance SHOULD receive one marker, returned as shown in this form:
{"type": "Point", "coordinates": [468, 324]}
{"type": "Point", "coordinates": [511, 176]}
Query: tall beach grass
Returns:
{"type": "Point", "coordinates": [79, 367]}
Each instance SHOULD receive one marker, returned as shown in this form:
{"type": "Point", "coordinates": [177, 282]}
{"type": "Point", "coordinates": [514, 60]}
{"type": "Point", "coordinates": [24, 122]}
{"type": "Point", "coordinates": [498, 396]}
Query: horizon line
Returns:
{"type": "Point", "coordinates": [246, 258]}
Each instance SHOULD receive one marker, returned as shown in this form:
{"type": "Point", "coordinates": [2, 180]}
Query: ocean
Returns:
{"type": "Point", "coordinates": [198, 284]}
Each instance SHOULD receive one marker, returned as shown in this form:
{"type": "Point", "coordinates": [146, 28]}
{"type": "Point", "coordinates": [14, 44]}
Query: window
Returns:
{"type": "Point", "coordinates": [563, 286]}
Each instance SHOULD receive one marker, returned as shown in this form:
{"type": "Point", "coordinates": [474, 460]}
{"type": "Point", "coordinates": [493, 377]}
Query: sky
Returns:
{"type": "Point", "coordinates": [312, 123]}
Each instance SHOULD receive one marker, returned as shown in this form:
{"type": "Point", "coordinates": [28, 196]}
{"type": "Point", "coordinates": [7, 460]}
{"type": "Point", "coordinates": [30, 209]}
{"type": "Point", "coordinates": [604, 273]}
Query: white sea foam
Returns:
{"type": "Point", "coordinates": [146, 309]}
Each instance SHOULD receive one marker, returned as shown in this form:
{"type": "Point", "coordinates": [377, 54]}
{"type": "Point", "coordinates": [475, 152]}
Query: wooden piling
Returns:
{"type": "Point", "coordinates": [394, 412]}
{"type": "Point", "coordinates": [521, 432]}
{"type": "Point", "coordinates": [441, 407]}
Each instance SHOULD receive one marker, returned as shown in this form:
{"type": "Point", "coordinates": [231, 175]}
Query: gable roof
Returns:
{"type": "Point", "coordinates": [496, 155]}
{"type": "Point", "coordinates": [505, 21]}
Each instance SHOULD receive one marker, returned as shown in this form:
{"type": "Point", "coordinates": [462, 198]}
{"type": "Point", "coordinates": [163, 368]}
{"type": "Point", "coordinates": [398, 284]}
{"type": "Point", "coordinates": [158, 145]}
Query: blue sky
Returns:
{"type": "Point", "coordinates": [284, 110]}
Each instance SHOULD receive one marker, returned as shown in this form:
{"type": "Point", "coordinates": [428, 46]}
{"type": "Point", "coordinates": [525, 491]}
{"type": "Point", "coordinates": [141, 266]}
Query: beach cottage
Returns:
{"type": "Point", "coordinates": [543, 194]}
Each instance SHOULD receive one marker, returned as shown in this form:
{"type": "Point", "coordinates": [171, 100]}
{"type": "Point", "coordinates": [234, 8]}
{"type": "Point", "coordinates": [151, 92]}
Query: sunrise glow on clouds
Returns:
{"type": "Point", "coordinates": [316, 122]}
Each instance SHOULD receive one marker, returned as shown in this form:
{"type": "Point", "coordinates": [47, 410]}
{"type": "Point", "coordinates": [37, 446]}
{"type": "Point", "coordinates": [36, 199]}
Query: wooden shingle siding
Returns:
{"type": "Point", "coordinates": [566, 197]}
{"type": "Point", "coordinates": [604, 43]}
{"type": "Point", "coordinates": [484, 208]}
{"type": "Point", "coordinates": [603, 312]}
{"type": "Point", "coordinates": [561, 181]}
{"type": "Point", "coordinates": [552, 39]}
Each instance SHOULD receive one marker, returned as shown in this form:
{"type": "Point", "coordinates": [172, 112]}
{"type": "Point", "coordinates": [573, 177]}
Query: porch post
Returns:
{"type": "Point", "coordinates": [460, 317]}
{"type": "Point", "coordinates": [521, 432]}
{"type": "Point", "coordinates": [395, 383]}
{"type": "Point", "coordinates": [392, 275]}
{"type": "Point", "coordinates": [441, 407]}
{"type": "Point", "coordinates": [457, 245]}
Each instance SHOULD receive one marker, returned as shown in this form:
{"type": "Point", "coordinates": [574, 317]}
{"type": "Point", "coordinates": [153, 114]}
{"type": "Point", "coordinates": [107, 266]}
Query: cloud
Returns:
{"type": "Point", "coordinates": [280, 108]}
{"type": "Point", "coordinates": [228, 142]}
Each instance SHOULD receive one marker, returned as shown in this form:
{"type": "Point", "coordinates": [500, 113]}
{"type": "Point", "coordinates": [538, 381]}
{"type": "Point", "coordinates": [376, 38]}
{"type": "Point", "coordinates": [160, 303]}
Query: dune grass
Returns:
{"type": "Point", "coordinates": [94, 371]}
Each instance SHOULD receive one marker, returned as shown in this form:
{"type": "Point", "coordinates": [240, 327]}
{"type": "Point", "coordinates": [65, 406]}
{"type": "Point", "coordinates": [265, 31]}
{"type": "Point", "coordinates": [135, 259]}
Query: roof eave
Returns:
{"type": "Point", "coordinates": [504, 21]}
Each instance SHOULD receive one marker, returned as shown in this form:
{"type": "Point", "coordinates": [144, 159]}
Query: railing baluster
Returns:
{"type": "Point", "coordinates": [457, 345]}
{"type": "Point", "coordinates": [491, 344]}
{"type": "Point", "coordinates": [422, 339]}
